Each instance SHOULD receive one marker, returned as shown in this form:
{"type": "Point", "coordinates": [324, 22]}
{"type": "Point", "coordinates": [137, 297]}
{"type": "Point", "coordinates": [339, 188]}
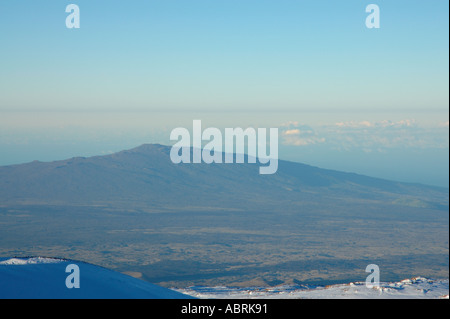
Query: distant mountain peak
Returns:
{"type": "Point", "coordinates": [145, 176]}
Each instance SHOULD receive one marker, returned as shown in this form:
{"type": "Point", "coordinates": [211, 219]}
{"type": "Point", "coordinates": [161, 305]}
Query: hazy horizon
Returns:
{"type": "Point", "coordinates": [345, 97]}
{"type": "Point", "coordinates": [409, 147]}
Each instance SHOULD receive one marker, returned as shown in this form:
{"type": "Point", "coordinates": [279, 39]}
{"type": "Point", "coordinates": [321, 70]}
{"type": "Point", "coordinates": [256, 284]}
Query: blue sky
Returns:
{"type": "Point", "coordinates": [231, 63]}
{"type": "Point", "coordinates": [217, 55]}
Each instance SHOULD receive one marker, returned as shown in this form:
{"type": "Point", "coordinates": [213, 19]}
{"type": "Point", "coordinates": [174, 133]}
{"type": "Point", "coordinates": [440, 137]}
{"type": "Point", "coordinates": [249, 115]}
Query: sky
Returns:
{"type": "Point", "coordinates": [372, 101]}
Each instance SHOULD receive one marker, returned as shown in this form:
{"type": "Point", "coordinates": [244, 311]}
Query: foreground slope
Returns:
{"type": "Point", "coordinates": [31, 278]}
{"type": "Point", "coordinates": [415, 288]}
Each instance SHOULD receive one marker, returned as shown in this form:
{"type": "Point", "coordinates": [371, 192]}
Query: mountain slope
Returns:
{"type": "Point", "coordinates": [145, 176]}
{"type": "Point", "coordinates": [196, 224]}
{"type": "Point", "coordinates": [415, 288]}
{"type": "Point", "coordinates": [45, 278]}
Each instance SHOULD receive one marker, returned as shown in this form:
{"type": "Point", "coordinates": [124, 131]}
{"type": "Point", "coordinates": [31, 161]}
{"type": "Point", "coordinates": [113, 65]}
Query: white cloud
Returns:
{"type": "Point", "coordinates": [379, 124]}
{"type": "Point", "coordinates": [367, 136]}
{"type": "Point", "coordinates": [295, 134]}
{"type": "Point", "coordinates": [292, 132]}
{"type": "Point", "coordinates": [386, 134]}
{"type": "Point", "coordinates": [353, 124]}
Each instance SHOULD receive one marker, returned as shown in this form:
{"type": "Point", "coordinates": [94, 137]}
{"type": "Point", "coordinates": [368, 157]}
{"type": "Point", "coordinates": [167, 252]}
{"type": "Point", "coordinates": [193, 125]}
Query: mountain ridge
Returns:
{"type": "Point", "coordinates": [208, 224]}
{"type": "Point", "coordinates": [145, 174]}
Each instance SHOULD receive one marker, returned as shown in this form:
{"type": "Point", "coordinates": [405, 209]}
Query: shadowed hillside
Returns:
{"type": "Point", "coordinates": [145, 176]}
{"type": "Point", "coordinates": [222, 224]}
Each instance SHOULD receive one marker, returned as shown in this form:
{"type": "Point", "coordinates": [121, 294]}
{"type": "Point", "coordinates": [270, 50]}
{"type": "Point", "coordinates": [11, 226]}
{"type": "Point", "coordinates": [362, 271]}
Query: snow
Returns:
{"type": "Point", "coordinates": [45, 278]}
{"type": "Point", "coordinates": [415, 288]}
{"type": "Point", "coordinates": [30, 261]}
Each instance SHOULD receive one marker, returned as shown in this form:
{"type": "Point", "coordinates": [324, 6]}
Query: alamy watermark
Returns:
{"type": "Point", "coordinates": [220, 149]}
{"type": "Point", "coordinates": [73, 280]}
{"type": "Point", "coordinates": [73, 19]}
{"type": "Point", "coordinates": [373, 19]}
{"type": "Point", "coordinates": [373, 280]}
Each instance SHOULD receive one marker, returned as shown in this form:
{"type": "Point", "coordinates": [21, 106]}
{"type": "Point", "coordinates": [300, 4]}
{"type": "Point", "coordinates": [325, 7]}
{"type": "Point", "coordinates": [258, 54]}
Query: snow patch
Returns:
{"type": "Point", "coordinates": [415, 288]}
{"type": "Point", "coordinates": [30, 261]}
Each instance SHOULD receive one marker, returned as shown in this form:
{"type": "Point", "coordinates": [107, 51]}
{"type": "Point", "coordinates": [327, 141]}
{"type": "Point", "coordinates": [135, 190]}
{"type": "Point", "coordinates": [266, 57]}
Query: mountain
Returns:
{"type": "Point", "coordinates": [45, 278]}
{"type": "Point", "coordinates": [178, 225]}
{"type": "Point", "coordinates": [145, 177]}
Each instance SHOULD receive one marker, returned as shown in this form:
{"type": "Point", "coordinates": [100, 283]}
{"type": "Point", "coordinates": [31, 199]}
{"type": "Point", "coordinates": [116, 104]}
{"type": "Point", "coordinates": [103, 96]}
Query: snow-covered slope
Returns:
{"type": "Point", "coordinates": [421, 288]}
{"type": "Point", "coordinates": [40, 277]}
{"type": "Point", "coordinates": [45, 278]}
